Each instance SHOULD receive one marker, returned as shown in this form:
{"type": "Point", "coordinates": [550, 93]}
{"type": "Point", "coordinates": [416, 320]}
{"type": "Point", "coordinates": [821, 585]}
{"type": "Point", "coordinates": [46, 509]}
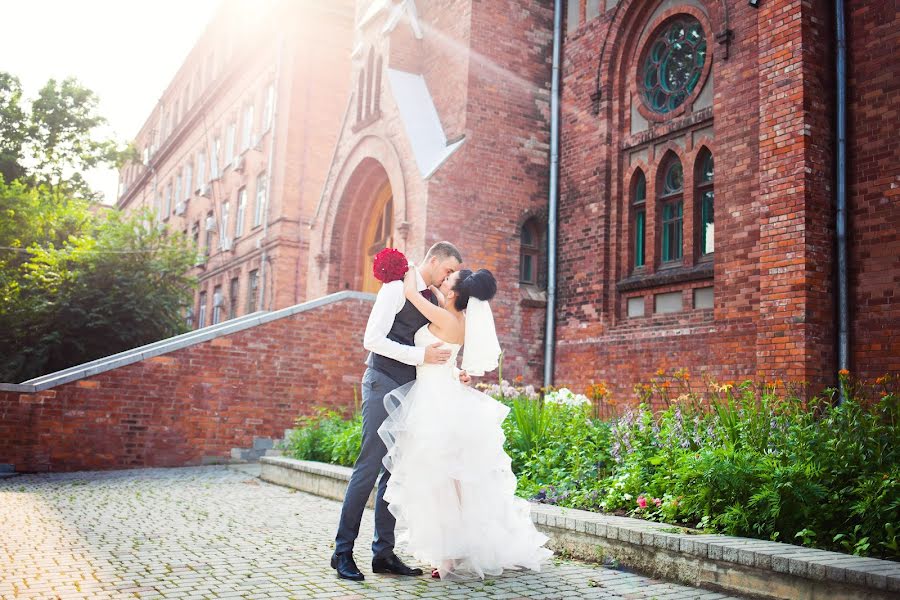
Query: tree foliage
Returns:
{"type": "Point", "coordinates": [78, 283]}
{"type": "Point", "coordinates": [12, 127]}
{"type": "Point", "coordinates": [56, 138]}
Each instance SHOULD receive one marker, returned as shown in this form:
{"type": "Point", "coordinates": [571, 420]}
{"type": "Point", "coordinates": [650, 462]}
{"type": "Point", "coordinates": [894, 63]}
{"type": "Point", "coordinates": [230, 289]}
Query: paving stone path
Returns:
{"type": "Point", "coordinates": [217, 532]}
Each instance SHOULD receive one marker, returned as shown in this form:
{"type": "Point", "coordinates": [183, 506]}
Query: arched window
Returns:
{"type": "Point", "coordinates": [704, 196]}
{"type": "Point", "coordinates": [671, 211]}
{"type": "Point", "coordinates": [530, 252]}
{"type": "Point", "coordinates": [639, 217]}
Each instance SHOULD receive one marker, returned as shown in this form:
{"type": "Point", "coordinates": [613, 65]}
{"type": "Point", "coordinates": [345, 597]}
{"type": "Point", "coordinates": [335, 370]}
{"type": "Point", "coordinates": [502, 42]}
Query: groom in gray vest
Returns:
{"type": "Point", "coordinates": [392, 362]}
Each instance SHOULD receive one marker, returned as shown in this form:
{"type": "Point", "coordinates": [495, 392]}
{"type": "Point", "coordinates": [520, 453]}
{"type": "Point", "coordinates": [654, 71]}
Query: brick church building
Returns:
{"type": "Point", "coordinates": [696, 184]}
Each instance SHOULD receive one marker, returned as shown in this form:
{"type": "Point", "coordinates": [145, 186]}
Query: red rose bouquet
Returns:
{"type": "Point", "coordinates": [390, 265]}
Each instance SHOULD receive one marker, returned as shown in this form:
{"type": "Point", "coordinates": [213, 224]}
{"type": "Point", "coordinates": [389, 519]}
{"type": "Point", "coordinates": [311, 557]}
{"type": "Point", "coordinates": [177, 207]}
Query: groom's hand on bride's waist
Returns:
{"type": "Point", "coordinates": [435, 355]}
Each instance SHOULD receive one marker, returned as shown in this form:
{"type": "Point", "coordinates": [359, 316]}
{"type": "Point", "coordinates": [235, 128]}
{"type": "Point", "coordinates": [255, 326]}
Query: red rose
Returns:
{"type": "Point", "coordinates": [390, 265]}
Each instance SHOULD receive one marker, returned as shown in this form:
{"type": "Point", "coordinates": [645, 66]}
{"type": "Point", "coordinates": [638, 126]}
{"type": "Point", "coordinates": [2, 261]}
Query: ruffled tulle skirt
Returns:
{"type": "Point", "coordinates": [452, 489]}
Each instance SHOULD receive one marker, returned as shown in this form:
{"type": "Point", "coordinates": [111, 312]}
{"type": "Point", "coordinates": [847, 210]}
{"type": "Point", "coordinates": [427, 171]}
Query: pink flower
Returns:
{"type": "Point", "coordinates": [642, 502]}
{"type": "Point", "coordinates": [657, 501]}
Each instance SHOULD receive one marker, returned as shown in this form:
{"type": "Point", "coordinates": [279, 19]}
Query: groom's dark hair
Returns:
{"type": "Point", "coordinates": [444, 250]}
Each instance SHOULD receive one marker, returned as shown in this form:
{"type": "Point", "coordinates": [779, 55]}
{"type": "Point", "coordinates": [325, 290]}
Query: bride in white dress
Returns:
{"type": "Point", "coordinates": [451, 488]}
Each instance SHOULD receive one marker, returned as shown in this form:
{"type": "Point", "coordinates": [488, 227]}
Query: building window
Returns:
{"type": "Point", "coordinates": [229, 144]}
{"type": "Point", "coordinates": [269, 107]}
{"type": "Point", "coordinates": [671, 204]}
{"type": "Point", "coordinates": [188, 180]}
{"type": "Point", "coordinates": [252, 291]}
{"type": "Point", "coordinates": [223, 234]}
{"type": "Point", "coordinates": [233, 298]}
{"type": "Point", "coordinates": [705, 196]}
{"type": "Point", "coordinates": [247, 128]}
{"type": "Point", "coordinates": [673, 65]}
{"type": "Point", "coordinates": [201, 169]}
{"type": "Point", "coordinates": [178, 197]}
{"type": "Point", "coordinates": [210, 227]}
{"type": "Point", "coordinates": [241, 213]}
{"type": "Point", "coordinates": [217, 305]}
{"type": "Point", "coordinates": [214, 159]}
{"type": "Point", "coordinates": [573, 15]}
{"type": "Point", "coordinates": [201, 313]}
{"type": "Point", "coordinates": [195, 235]}
{"type": "Point", "coordinates": [168, 200]}
{"type": "Point", "coordinates": [639, 217]}
{"type": "Point", "coordinates": [530, 252]}
{"type": "Point", "coordinates": [259, 209]}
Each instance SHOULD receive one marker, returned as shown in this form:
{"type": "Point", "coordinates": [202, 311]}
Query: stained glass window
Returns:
{"type": "Point", "coordinates": [674, 64]}
{"type": "Point", "coordinates": [671, 213]}
{"type": "Point", "coordinates": [639, 202]}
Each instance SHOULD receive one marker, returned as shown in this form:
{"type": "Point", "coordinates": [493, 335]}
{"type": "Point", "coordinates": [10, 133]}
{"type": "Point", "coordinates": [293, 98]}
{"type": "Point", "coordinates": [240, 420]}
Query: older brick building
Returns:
{"type": "Point", "coordinates": [236, 151]}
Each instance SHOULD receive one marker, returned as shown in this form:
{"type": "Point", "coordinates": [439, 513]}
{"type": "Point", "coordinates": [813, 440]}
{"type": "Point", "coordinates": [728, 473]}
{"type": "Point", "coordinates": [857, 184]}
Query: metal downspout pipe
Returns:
{"type": "Point", "coordinates": [549, 332]}
{"type": "Point", "coordinates": [841, 194]}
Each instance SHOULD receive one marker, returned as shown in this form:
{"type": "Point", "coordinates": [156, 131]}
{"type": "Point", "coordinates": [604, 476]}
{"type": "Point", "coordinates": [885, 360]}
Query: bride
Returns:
{"type": "Point", "coordinates": [451, 488]}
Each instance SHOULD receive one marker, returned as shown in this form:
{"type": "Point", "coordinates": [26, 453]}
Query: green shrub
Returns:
{"type": "Point", "coordinates": [747, 460]}
{"type": "Point", "coordinates": [326, 437]}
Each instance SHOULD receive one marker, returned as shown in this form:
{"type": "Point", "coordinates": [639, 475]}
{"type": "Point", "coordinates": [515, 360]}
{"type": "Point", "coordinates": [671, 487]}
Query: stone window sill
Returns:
{"type": "Point", "coordinates": [703, 270]}
{"type": "Point", "coordinates": [532, 296]}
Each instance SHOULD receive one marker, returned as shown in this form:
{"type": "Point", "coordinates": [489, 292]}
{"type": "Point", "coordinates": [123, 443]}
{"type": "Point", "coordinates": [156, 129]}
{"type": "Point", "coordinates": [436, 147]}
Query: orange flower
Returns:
{"type": "Point", "coordinates": [843, 372]}
{"type": "Point", "coordinates": [660, 372]}
{"type": "Point", "coordinates": [519, 379]}
{"type": "Point", "coordinates": [665, 385]}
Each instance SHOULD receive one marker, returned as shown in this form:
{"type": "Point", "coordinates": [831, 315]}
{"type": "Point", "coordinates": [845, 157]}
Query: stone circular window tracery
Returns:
{"type": "Point", "coordinates": [673, 64]}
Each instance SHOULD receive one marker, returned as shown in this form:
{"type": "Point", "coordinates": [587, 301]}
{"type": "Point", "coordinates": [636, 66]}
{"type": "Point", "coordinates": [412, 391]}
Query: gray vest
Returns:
{"type": "Point", "coordinates": [407, 322]}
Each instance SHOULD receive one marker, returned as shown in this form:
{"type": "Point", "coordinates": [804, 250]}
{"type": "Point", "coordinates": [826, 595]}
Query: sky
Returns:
{"type": "Point", "coordinates": [126, 51]}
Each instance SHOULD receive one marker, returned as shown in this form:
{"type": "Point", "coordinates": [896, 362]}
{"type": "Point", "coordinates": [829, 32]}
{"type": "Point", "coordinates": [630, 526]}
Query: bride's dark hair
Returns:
{"type": "Point", "coordinates": [480, 284]}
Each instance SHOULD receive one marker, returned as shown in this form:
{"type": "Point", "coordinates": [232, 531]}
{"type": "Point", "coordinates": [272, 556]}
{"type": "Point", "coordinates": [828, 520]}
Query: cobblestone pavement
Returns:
{"type": "Point", "coordinates": [216, 532]}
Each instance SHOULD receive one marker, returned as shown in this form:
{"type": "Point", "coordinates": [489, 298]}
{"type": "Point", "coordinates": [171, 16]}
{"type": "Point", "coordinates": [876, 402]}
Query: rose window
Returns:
{"type": "Point", "coordinates": [674, 64]}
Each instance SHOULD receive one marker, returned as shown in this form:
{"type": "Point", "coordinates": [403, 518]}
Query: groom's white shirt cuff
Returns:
{"type": "Point", "coordinates": [388, 303]}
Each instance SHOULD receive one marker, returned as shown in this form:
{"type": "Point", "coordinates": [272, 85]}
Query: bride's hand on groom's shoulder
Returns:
{"type": "Point", "coordinates": [409, 282]}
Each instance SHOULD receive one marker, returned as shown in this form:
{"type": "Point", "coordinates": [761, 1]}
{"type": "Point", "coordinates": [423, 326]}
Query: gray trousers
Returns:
{"type": "Point", "coordinates": [366, 470]}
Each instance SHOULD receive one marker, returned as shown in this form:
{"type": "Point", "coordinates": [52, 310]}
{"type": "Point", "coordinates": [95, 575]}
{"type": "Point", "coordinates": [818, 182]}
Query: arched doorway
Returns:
{"type": "Point", "coordinates": [378, 235]}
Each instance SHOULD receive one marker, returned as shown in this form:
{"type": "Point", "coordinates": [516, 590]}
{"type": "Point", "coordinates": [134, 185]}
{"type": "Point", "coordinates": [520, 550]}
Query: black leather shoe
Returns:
{"type": "Point", "coordinates": [346, 567]}
{"type": "Point", "coordinates": [392, 564]}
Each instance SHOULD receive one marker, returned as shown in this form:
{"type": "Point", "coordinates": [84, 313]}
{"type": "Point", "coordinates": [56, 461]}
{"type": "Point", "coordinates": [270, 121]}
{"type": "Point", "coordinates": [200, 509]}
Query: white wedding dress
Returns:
{"type": "Point", "coordinates": [452, 489]}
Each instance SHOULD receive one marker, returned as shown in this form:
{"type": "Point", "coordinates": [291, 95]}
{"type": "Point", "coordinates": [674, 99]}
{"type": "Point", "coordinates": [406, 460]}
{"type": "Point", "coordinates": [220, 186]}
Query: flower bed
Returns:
{"type": "Point", "coordinates": [742, 459]}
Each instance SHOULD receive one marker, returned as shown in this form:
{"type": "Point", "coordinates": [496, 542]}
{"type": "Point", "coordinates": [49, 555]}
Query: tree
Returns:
{"type": "Point", "coordinates": [75, 286]}
{"type": "Point", "coordinates": [59, 139]}
{"type": "Point", "coordinates": [12, 127]}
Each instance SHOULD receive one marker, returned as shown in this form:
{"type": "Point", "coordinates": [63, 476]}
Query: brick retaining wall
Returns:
{"type": "Point", "coordinates": [192, 404]}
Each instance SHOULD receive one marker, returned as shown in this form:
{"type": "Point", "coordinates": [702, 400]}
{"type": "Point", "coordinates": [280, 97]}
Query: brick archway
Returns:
{"type": "Point", "coordinates": [362, 197]}
{"type": "Point", "coordinates": [343, 216]}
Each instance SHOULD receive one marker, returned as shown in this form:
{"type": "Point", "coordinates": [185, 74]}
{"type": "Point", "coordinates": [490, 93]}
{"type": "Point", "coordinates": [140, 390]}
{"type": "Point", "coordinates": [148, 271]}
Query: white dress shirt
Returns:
{"type": "Point", "coordinates": [390, 300]}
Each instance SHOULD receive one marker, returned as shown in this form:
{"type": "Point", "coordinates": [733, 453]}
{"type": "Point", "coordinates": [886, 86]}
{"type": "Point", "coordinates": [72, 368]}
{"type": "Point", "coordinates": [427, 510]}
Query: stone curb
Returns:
{"type": "Point", "coordinates": [731, 564]}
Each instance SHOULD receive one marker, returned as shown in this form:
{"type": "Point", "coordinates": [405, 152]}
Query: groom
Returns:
{"type": "Point", "coordinates": [392, 362]}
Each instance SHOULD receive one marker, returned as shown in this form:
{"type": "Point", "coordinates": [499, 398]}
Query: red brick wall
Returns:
{"type": "Point", "coordinates": [482, 195]}
{"type": "Point", "coordinates": [772, 140]}
{"type": "Point", "coordinates": [201, 401]}
{"type": "Point", "coordinates": [873, 33]}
